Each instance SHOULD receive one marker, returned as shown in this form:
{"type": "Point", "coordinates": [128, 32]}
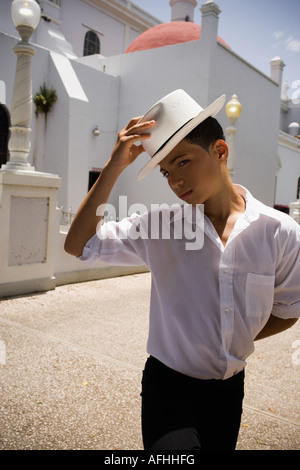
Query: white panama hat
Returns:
{"type": "Point", "coordinates": [176, 115]}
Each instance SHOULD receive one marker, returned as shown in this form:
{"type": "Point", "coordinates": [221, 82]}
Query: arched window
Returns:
{"type": "Point", "coordinates": [4, 134]}
{"type": "Point", "coordinates": [91, 44]}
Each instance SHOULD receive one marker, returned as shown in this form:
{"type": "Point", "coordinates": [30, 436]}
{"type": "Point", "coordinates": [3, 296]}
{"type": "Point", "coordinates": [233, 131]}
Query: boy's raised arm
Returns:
{"type": "Point", "coordinates": [124, 153]}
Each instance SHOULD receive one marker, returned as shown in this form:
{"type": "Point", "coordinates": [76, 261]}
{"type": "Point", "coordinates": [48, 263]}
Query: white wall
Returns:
{"type": "Point", "coordinates": [6, 23]}
{"type": "Point", "coordinates": [85, 14]}
{"type": "Point", "coordinates": [132, 83]}
{"type": "Point", "coordinates": [69, 269]}
{"type": "Point", "coordinates": [108, 91]}
{"type": "Point", "coordinates": [148, 75]}
{"type": "Point", "coordinates": [145, 77]}
{"type": "Point", "coordinates": [116, 29]}
{"type": "Point", "coordinates": [71, 148]}
{"type": "Point", "coordinates": [257, 126]}
{"type": "Point", "coordinates": [288, 174]}
{"type": "Point", "coordinates": [88, 96]}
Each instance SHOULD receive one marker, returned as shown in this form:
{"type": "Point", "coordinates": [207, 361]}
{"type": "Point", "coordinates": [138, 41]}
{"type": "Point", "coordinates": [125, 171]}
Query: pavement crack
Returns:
{"type": "Point", "coordinates": [34, 331]}
{"type": "Point", "coordinates": [271, 416]}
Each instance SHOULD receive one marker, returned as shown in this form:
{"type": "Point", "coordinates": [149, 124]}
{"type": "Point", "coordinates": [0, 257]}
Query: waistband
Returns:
{"type": "Point", "coordinates": [164, 372]}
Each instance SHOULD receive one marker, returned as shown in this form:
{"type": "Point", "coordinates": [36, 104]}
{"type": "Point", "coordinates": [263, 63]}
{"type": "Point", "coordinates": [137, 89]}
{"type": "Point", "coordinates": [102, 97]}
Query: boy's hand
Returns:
{"type": "Point", "coordinates": [125, 150]}
{"type": "Point", "coordinates": [85, 223]}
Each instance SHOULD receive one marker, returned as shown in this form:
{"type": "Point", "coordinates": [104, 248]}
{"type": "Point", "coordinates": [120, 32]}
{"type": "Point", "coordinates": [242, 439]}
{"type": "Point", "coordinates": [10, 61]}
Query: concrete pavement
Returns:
{"type": "Point", "coordinates": [71, 362]}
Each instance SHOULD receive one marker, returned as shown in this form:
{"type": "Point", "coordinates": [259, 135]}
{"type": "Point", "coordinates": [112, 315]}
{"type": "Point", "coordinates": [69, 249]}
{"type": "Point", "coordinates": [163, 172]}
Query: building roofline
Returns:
{"type": "Point", "coordinates": [133, 15]}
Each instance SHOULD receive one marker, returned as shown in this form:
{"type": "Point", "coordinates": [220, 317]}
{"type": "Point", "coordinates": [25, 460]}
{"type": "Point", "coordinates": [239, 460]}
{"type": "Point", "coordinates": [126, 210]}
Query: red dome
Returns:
{"type": "Point", "coordinates": [167, 34]}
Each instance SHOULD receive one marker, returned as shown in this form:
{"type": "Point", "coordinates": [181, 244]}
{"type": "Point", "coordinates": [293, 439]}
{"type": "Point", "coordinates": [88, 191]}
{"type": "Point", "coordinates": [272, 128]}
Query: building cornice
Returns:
{"type": "Point", "coordinates": [284, 106]}
{"type": "Point", "coordinates": [289, 141]}
{"type": "Point", "coordinates": [129, 14]}
{"type": "Point", "coordinates": [176, 1]}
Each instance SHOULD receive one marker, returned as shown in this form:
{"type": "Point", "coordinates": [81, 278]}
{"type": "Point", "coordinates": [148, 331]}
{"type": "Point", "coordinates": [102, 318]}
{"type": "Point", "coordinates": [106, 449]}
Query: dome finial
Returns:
{"type": "Point", "coordinates": [183, 10]}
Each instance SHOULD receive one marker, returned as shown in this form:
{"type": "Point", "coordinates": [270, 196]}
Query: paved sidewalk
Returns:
{"type": "Point", "coordinates": [71, 362]}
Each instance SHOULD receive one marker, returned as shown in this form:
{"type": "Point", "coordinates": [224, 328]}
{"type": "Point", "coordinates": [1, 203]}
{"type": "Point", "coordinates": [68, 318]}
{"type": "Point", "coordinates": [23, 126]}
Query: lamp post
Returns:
{"type": "Point", "coordinates": [233, 110]}
{"type": "Point", "coordinates": [26, 16]}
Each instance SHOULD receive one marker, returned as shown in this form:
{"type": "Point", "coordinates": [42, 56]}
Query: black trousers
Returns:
{"type": "Point", "coordinates": [185, 413]}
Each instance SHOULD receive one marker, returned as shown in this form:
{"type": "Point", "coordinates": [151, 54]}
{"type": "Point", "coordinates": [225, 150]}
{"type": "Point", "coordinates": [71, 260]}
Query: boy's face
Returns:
{"type": "Point", "coordinates": [193, 173]}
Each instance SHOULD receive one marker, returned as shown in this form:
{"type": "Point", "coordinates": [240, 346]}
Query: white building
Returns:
{"type": "Point", "coordinates": [86, 98]}
{"type": "Point", "coordinates": [109, 61]}
{"type": "Point", "coordinates": [288, 173]}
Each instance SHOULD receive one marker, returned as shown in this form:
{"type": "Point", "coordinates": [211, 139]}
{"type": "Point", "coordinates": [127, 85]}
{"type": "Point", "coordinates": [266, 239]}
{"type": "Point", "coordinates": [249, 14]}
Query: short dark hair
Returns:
{"type": "Point", "coordinates": [206, 133]}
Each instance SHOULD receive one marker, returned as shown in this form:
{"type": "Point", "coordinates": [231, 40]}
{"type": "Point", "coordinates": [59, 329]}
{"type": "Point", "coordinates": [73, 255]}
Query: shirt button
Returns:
{"type": "Point", "coordinates": [227, 310]}
{"type": "Point", "coordinates": [225, 271]}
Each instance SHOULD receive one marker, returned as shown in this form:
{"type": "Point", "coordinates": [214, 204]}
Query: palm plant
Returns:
{"type": "Point", "coordinates": [45, 99]}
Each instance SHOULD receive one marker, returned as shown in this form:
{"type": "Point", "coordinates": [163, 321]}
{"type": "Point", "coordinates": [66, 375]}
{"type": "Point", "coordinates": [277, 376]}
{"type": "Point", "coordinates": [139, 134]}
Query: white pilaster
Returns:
{"type": "Point", "coordinates": [277, 66]}
{"type": "Point", "coordinates": [210, 21]}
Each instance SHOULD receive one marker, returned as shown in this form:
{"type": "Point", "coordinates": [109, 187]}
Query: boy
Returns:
{"type": "Point", "coordinates": [208, 303]}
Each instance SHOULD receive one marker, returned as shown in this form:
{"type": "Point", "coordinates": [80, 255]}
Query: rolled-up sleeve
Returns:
{"type": "Point", "coordinates": [287, 281]}
{"type": "Point", "coordinates": [113, 244]}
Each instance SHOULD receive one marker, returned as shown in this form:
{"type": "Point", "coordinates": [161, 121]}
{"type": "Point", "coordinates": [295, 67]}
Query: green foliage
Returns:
{"type": "Point", "coordinates": [45, 99]}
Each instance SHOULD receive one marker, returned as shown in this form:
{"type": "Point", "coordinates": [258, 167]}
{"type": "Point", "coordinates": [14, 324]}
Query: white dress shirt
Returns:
{"type": "Point", "coordinates": [208, 304]}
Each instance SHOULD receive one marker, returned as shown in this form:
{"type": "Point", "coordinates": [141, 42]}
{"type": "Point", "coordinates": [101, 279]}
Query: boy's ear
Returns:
{"type": "Point", "coordinates": [221, 149]}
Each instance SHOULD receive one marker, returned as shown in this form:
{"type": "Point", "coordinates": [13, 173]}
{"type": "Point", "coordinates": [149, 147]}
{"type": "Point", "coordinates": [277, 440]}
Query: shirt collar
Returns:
{"type": "Point", "coordinates": [251, 213]}
{"type": "Point", "coordinates": [253, 206]}
{"type": "Point", "coordinates": [187, 211]}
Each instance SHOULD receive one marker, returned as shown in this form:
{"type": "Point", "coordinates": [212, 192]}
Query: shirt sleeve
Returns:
{"type": "Point", "coordinates": [287, 279]}
{"type": "Point", "coordinates": [116, 244]}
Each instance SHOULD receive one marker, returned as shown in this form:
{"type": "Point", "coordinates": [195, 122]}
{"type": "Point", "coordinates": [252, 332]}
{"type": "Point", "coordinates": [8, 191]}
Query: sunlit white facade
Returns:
{"type": "Point", "coordinates": [81, 53]}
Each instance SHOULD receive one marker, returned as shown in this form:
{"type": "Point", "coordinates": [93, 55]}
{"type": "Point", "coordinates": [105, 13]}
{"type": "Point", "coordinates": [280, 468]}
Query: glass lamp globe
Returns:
{"type": "Point", "coordinates": [233, 109]}
{"type": "Point", "coordinates": [25, 13]}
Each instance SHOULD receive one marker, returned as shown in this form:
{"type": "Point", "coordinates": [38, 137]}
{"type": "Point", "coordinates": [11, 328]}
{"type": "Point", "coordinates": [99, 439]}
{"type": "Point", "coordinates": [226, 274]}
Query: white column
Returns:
{"type": "Point", "coordinates": [21, 110]}
{"type": "Point", "coordinates": [277, 66]}
{"type": "Point", "coordinates": [230, 139]}
{"type": "Point", "coordinates": [26, 16]}
{"type": "Point", "coordinates": [233, 110]}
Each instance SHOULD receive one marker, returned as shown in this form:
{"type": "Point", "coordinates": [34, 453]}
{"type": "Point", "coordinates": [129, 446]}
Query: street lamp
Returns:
{"type": "Point", "coordinates": [26, 16]}
{"type": "Point", "coordinates": [233, 110]}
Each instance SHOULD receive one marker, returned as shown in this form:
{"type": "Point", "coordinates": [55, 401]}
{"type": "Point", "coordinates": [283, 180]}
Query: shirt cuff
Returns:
{"type": "Point", "coordinates": [286, 311]}
{"type": "Point", "coordinates": [88, 255]}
